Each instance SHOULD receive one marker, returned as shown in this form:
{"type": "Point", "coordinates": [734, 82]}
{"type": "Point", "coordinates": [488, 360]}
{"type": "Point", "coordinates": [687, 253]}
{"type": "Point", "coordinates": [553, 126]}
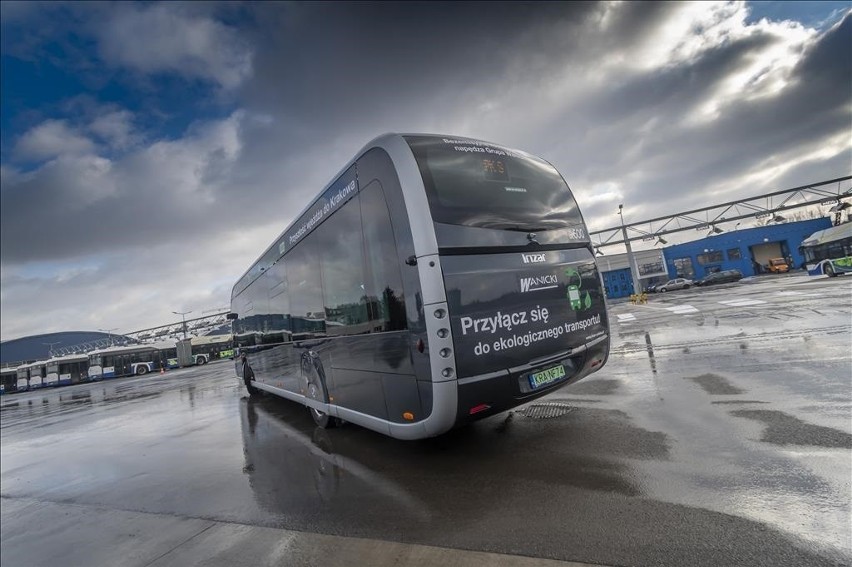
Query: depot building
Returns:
{"type": "Point", "coordinates": [747, 250]}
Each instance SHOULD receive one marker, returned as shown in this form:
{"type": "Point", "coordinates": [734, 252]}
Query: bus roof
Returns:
{"type": "Point", "coordinates": [381, 141]}
{"type": "Point", "coordinates": [209, 339]}
{"type": "Point", "coordinates": [134, 348]}
{"type": "Point", "coordinates": [69, 358]}
{"type": "Point", "coordinates": [829, 235]}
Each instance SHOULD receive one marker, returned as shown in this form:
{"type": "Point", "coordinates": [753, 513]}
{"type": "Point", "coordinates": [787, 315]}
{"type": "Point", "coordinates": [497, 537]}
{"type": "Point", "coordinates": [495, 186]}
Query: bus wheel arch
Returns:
{"type": "Point", "coordinates": [313, 380]}
{"type": "Point", "coordinates": [828, 270]}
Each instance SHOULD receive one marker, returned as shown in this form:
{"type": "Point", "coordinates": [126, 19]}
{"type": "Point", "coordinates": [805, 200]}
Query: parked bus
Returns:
{"type": "Point", "coordinates": [829, 252]}
{"type": "Point", "coordinates": [8, 380]}
{"type": "Point", "coordinates": [70, 369]}
{"type": "Point", "coordinates": [114, 362]}
{"type": "Point", "coordinates": [209, 348]}
{"type": "Point", "coordinates": [22, 383]}
{"type": "Point", "coordinates": [31, 376]}
{"type": "Point", "coordinates": [433, 282]}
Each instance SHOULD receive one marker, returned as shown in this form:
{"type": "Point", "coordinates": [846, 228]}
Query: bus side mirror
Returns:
{"type": "Point", "coordinates": [231, 316]}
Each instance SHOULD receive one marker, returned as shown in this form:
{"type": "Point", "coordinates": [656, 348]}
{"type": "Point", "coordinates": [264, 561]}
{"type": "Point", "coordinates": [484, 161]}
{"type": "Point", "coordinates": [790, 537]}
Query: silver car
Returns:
{"type": "Point", "coordinates": [677, 283]}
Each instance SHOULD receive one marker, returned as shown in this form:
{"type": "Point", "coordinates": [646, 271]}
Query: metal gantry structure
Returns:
{"type": "Point", "coordinates": [197, 326]}
{"type": "Point", "coordinates": [835, 193]}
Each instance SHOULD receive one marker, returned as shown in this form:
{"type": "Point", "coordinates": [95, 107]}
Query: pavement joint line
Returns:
{"type": "Point", "coordinates": [511, 560]}
{"type": "Point", "coordinates": [181, 544]}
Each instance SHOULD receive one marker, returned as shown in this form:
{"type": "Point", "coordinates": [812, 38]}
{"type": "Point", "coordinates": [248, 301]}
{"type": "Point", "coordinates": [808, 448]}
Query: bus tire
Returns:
{"type": "Point", "coordinates": [828, 270]}
{"type": "Point", "coordinates": [312, 375]}
{"type": "Point", "coordinates": [201, 360]}
{"type": "Point", "coordinates": [141, 370]}
{"type": "Point", "coordinates": [248, 378]}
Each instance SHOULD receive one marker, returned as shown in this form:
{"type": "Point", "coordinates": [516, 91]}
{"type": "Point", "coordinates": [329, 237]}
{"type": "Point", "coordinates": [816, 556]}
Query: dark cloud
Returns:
{"type": "Point", "coordinates": [567, 81]}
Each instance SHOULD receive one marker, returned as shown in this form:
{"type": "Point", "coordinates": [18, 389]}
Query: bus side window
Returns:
{"type": "Point", "coordinates": [342, 263]}
{"type": "Point", "coordinates": [279, 304]}
{"type": "Point", "coordinates": [304, 284]}
{"type": "Point", "coordinates": [384, 280]}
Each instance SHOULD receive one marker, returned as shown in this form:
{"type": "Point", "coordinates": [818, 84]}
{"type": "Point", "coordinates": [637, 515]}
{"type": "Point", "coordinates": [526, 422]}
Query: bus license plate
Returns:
{"type": "Point", "coordinates": [538, 379]}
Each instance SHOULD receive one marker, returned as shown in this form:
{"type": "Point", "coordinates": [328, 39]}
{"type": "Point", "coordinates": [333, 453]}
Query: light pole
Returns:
{"type": "Point", "coordinates": [183, 315]}
{"type": "Point", "coordinates": [50, 347]}
{"type": "Point", "coordinates": [631, 259]}
{"type": "Point", "coordinates": [109, 333]}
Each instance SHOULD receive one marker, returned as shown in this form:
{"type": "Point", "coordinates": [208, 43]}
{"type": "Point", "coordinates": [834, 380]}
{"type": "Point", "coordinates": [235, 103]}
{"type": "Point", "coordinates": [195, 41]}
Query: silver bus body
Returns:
{"type": "Point", "coordinates": [463, 357]}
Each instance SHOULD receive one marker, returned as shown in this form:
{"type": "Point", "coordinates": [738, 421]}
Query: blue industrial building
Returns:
{"type": "Point", "coordinates": [747, 250]}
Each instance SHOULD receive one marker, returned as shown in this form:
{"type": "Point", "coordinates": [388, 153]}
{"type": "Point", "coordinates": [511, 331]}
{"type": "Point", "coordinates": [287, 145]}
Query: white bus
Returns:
{"type": "Point", "coordinates": [436, 280]}
{"type": "Point", "coordinates": [210, 348]}
{"type": "Point", "coordinates": [70, 369]}
{"type": "Point", "coordinates": [31, 376]}
{"type": "Point", "coordinates": [114, 362]}
{"type": "Point", "coordinates": [829, 252]}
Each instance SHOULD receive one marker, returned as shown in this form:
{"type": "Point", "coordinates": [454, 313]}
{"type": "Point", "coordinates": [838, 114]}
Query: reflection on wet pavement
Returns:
{"type": "Point", "coordinates": [716, 385]}
{"type": "Point", "coordinates": [784, 429]}
{"type": "Point", "coordinates": [641, 464]}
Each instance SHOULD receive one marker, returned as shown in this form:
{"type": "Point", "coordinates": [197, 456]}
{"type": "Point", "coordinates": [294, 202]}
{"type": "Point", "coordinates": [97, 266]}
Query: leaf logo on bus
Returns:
{"type": "Point", "coordinates": [575, 298]}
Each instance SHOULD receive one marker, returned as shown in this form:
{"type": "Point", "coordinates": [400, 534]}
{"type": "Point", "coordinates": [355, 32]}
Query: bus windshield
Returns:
{"type": "Point", "coordinates": [476, 184]}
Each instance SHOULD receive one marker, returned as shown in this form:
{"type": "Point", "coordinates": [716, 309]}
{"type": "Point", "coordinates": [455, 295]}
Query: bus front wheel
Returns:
{"type": "Point", "coordinates": [141, 370]}
{"type": "Point", "coordinates": [829, 270]}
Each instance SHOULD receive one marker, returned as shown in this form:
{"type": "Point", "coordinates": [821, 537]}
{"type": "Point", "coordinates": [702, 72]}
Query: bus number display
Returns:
{"type": "Point", "coordinates": [494, 170]}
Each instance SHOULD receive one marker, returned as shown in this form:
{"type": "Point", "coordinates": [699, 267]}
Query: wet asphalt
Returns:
{"type": "Point", "coordinates": [718, 433]}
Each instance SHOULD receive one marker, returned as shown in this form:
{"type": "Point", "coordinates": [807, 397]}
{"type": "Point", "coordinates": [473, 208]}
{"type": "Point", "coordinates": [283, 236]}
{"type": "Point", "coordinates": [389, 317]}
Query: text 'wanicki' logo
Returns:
{"type": "Point", "coordinates": [538, 283]}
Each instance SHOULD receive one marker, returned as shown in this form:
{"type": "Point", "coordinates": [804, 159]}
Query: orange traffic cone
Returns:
{"type": "Point", "coordinates": [162, 370]}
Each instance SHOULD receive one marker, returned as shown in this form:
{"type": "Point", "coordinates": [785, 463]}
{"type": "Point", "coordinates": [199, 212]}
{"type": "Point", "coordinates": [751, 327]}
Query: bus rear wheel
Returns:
{"type": "Point", "coordinates": [248, 378]}
{"type": "Point", "coordinates": [829, 271]}
{"type": "Point", "coordinates": [322, 419]}
{"type": "Point", "coordinates": [141, 370]}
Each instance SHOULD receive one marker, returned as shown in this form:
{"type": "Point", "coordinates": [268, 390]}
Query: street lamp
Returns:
{"type": "Point", "coordinates": [183, 315]}
{"type": "Point", "coordinates": [634, 269]}
{"type": "Point", "coordinates": [50, 347]}
{"type": "Point", "coordinates": [109, 333]}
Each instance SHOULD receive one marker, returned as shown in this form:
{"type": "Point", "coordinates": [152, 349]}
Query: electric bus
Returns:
{"type": "Point", "coordinates": [32, 375]}
{"type": "Point", "coordinates": [829, 252]}
{"type": "Point", "coordinates": [8, 380]}
{"type": "Point", "coordinates": [70, 369]}
{"type": "Point", "coordinates": [134, 360]}
{"type": "Point", "coordinates": [210, 348]}
{"type": "Point", "coordinates": [435, 281]}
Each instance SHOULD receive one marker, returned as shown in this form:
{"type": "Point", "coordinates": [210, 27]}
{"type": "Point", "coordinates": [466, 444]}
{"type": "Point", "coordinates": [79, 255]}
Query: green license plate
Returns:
{"type": "Point", "coordinates": [538, 379]}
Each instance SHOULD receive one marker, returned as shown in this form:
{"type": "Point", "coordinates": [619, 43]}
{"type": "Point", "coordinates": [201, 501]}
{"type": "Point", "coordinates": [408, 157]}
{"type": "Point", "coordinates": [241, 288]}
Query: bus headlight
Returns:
{"type": "Point", "coordinates": [440, 313]}
{"type": "Point", "coordinates": [445, 353]}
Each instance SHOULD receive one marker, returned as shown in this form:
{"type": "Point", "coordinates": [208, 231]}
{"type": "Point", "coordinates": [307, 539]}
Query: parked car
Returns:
{"type": "Point", "coordinates": [677, 283]}
{"type": "Point", "coordinates": [725, 276]}
{"type": "Point", "coordinates": [778, 266]}
{"type": "Point", "coordinates": [651, 288]}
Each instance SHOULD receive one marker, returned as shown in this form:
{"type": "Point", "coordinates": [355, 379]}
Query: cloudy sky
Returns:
{"type": "Point", "coordinates": [151, 151]}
